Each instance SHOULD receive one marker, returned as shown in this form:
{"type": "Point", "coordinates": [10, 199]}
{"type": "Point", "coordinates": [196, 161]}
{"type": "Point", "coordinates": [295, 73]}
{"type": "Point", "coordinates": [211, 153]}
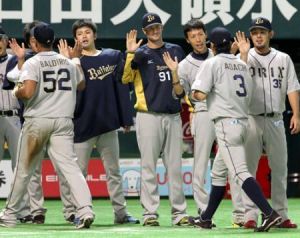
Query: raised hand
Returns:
{"type": "Point", "coordinates": [131, 41]}
{"type": "Point", "coordinates": [76, 51]}
{"type": "Point", "coordinates": [172, 64]}
{"type": "Point", "coordinates": [63, 48]}
{"type": "Point", "coordinates": [18, 50]}
{"type": "Point", "coordinates": [242, 42]}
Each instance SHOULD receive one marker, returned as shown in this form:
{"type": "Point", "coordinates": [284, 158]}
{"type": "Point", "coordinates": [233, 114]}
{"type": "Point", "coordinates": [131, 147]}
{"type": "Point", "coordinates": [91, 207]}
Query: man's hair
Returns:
{"type": "Point", "coordinates": [192, 24]}
{"type": "Point", "coordinates": [27, 30]}
{"type": "Point", "coordinates": [83, 23]}
{"type": "Point", "coordinates": [223, 48]}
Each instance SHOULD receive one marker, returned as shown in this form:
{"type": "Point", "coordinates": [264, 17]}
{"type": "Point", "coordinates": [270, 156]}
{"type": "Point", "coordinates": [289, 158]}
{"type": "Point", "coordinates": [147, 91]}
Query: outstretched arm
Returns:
{"type": "Point", "coordinates": [131, 41]}
{"type": "Point", "coordinates": [173, 66]}
{"type": "Point", "coordinates": [19, 51]}
{"type": "Point", "coordinates": [131, 46]}
{"type": "Point", "coordinates": [243, 45]}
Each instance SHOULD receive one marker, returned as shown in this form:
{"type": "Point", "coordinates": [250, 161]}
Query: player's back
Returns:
{"type": "Point", "coordinates": [232, 87]}
{"type": "Point", "coordinates": [57, 78]}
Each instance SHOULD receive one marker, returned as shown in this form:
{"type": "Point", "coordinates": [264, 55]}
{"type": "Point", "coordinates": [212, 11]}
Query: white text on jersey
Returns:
{"type": "Point", "coordinates": [101, 72]}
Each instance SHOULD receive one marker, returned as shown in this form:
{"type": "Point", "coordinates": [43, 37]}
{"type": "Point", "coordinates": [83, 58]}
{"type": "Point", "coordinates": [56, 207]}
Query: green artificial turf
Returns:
{"type": "Point", "coordinates": [55, 225]}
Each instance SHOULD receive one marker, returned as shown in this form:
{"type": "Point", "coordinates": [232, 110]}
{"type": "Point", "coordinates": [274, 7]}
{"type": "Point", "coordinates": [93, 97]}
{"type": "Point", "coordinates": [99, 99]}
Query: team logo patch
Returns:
{"type": "Point", "coordinates": [259, 21]}
{"type": "Point", "coordinates": [151, 18]}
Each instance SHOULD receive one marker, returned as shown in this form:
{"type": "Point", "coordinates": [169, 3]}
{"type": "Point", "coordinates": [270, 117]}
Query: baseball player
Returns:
{"type": "Point", "coordinates": [32, 204]}
{"type": "Point", "coordinates": [96, 121]}
{"type": "Point", "coordinates": [158, 122]}
{"type": "Point", "coordinates": [49, 83]}
{"type": "Point", "coordinates": [202, 127]}
{"type": "Point", "coordinates": [10, 125]}
{"type": "Point", "coordinates": [274, 77]}
{"type": "Point", "coordinates": [225, 82]}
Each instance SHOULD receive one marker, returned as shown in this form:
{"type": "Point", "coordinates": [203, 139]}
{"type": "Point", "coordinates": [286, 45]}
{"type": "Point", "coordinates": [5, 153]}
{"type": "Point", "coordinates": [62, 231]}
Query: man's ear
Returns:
{"type": "Point", "coordinates": [272, 33]}
{"type": "Point", "coordinates": [144, 31]}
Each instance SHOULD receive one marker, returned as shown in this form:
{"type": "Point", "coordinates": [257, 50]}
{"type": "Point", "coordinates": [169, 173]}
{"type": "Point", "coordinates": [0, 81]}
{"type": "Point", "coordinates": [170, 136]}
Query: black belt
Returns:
{"type": "Point", "coordinates": [270, 114]}
{"type": "Point", "coordinates": [9, 113]}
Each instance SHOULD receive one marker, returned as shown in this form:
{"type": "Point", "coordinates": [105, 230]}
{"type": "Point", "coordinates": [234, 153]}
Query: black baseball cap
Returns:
{"type": "Point", "coordinates": [43, 33]}
{"type": "Point", "coordinates": [2, 33]}
{"type": "Point", "coordinates": [220, 36]}
{"type": "Point", "coordinates": [262, 23]}
{"type": "Point", "coordinates": [150, 19]}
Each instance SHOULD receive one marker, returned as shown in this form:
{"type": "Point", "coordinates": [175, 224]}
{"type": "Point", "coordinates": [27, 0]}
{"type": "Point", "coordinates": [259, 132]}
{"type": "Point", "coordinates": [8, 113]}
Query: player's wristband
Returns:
{"type": "Point", "coordinates": [76, 60]}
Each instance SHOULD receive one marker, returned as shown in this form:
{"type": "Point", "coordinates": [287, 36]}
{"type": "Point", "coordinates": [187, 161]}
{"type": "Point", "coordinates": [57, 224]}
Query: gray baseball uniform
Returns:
{"type": "Point", "coordinates": [48, 122]}
{"type": "Point", "coordinates": [274, 77]}
{"type": "Point", "coordinates": [33, 200]}
{"type": "Point", "coordinates": [10, 125]}
{"type": "Point", "coordinates": [226, 83]}
{"type": "Point", "coordinates": [203, 131]}
{"type": "Point", "coordinates": [108, 146]}
{"type": "Point", "coordinates": [225, 79]}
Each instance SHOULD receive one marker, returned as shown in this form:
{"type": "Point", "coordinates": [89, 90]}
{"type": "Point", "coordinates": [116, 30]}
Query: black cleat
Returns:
{"type": "Point", "coordinates": [268, 221]}
{"type": "Point", "coordinates": [198, 222]}
{"type": "Point", "coordinates": [38, 219]}
{"type": "Point", "coordinates": [84, 223]}
{"type": "Point", "coordinates": [71, 219]}
{"type": "Point", "coordinates": [26, 219]}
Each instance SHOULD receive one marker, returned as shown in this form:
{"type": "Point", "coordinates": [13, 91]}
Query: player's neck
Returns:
{"type": "Point", "coordinates": [263, 51]}
{"type": "Point", "coordinates": [155, 44]}
{"type": "Point", "coordinates": [90, 51]}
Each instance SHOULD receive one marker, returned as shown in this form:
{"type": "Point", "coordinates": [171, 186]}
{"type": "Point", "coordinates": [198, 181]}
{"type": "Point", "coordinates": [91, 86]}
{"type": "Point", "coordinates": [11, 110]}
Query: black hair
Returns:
{"type": "Point", "coordinates": [194, 23]}
{"type": "Point", "coordinates": [223, 48]}
{"type": "Point", "coordinates": [27, 30]}
{"type": "Point", "coordinates": [81, 23]}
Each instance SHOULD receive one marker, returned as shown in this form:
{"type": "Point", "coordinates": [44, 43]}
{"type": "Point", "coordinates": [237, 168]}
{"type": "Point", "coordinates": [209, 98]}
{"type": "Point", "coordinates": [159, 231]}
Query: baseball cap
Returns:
{"type": "Point", "coordinates": [150, 19]}
{"type": "Point", "coordinates": [262, 23]}
{"type": "Point", "coordinates": [2, 33]}
{"type": "Point", "coordinates": [220, 36]}
{"type": "Point", "coordinates": [43, 33]}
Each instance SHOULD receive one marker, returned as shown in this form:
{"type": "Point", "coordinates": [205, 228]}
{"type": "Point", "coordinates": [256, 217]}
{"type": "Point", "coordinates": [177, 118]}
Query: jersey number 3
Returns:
{"type": "Point", "coordinates": [242, 92]}
{"type": "Point", "coordinates": [63, 76]}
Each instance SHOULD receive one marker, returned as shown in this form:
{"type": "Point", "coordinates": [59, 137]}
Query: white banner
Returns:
{"type": "Point", "coordinates": [6, 175]}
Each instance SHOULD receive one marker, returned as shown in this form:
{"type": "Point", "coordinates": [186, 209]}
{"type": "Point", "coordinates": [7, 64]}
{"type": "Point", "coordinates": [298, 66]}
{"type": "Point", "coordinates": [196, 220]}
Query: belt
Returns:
{"type": "Point", "coordinates": [9, 113]}
{"type": "Point", "coordinates": [270, 114]}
